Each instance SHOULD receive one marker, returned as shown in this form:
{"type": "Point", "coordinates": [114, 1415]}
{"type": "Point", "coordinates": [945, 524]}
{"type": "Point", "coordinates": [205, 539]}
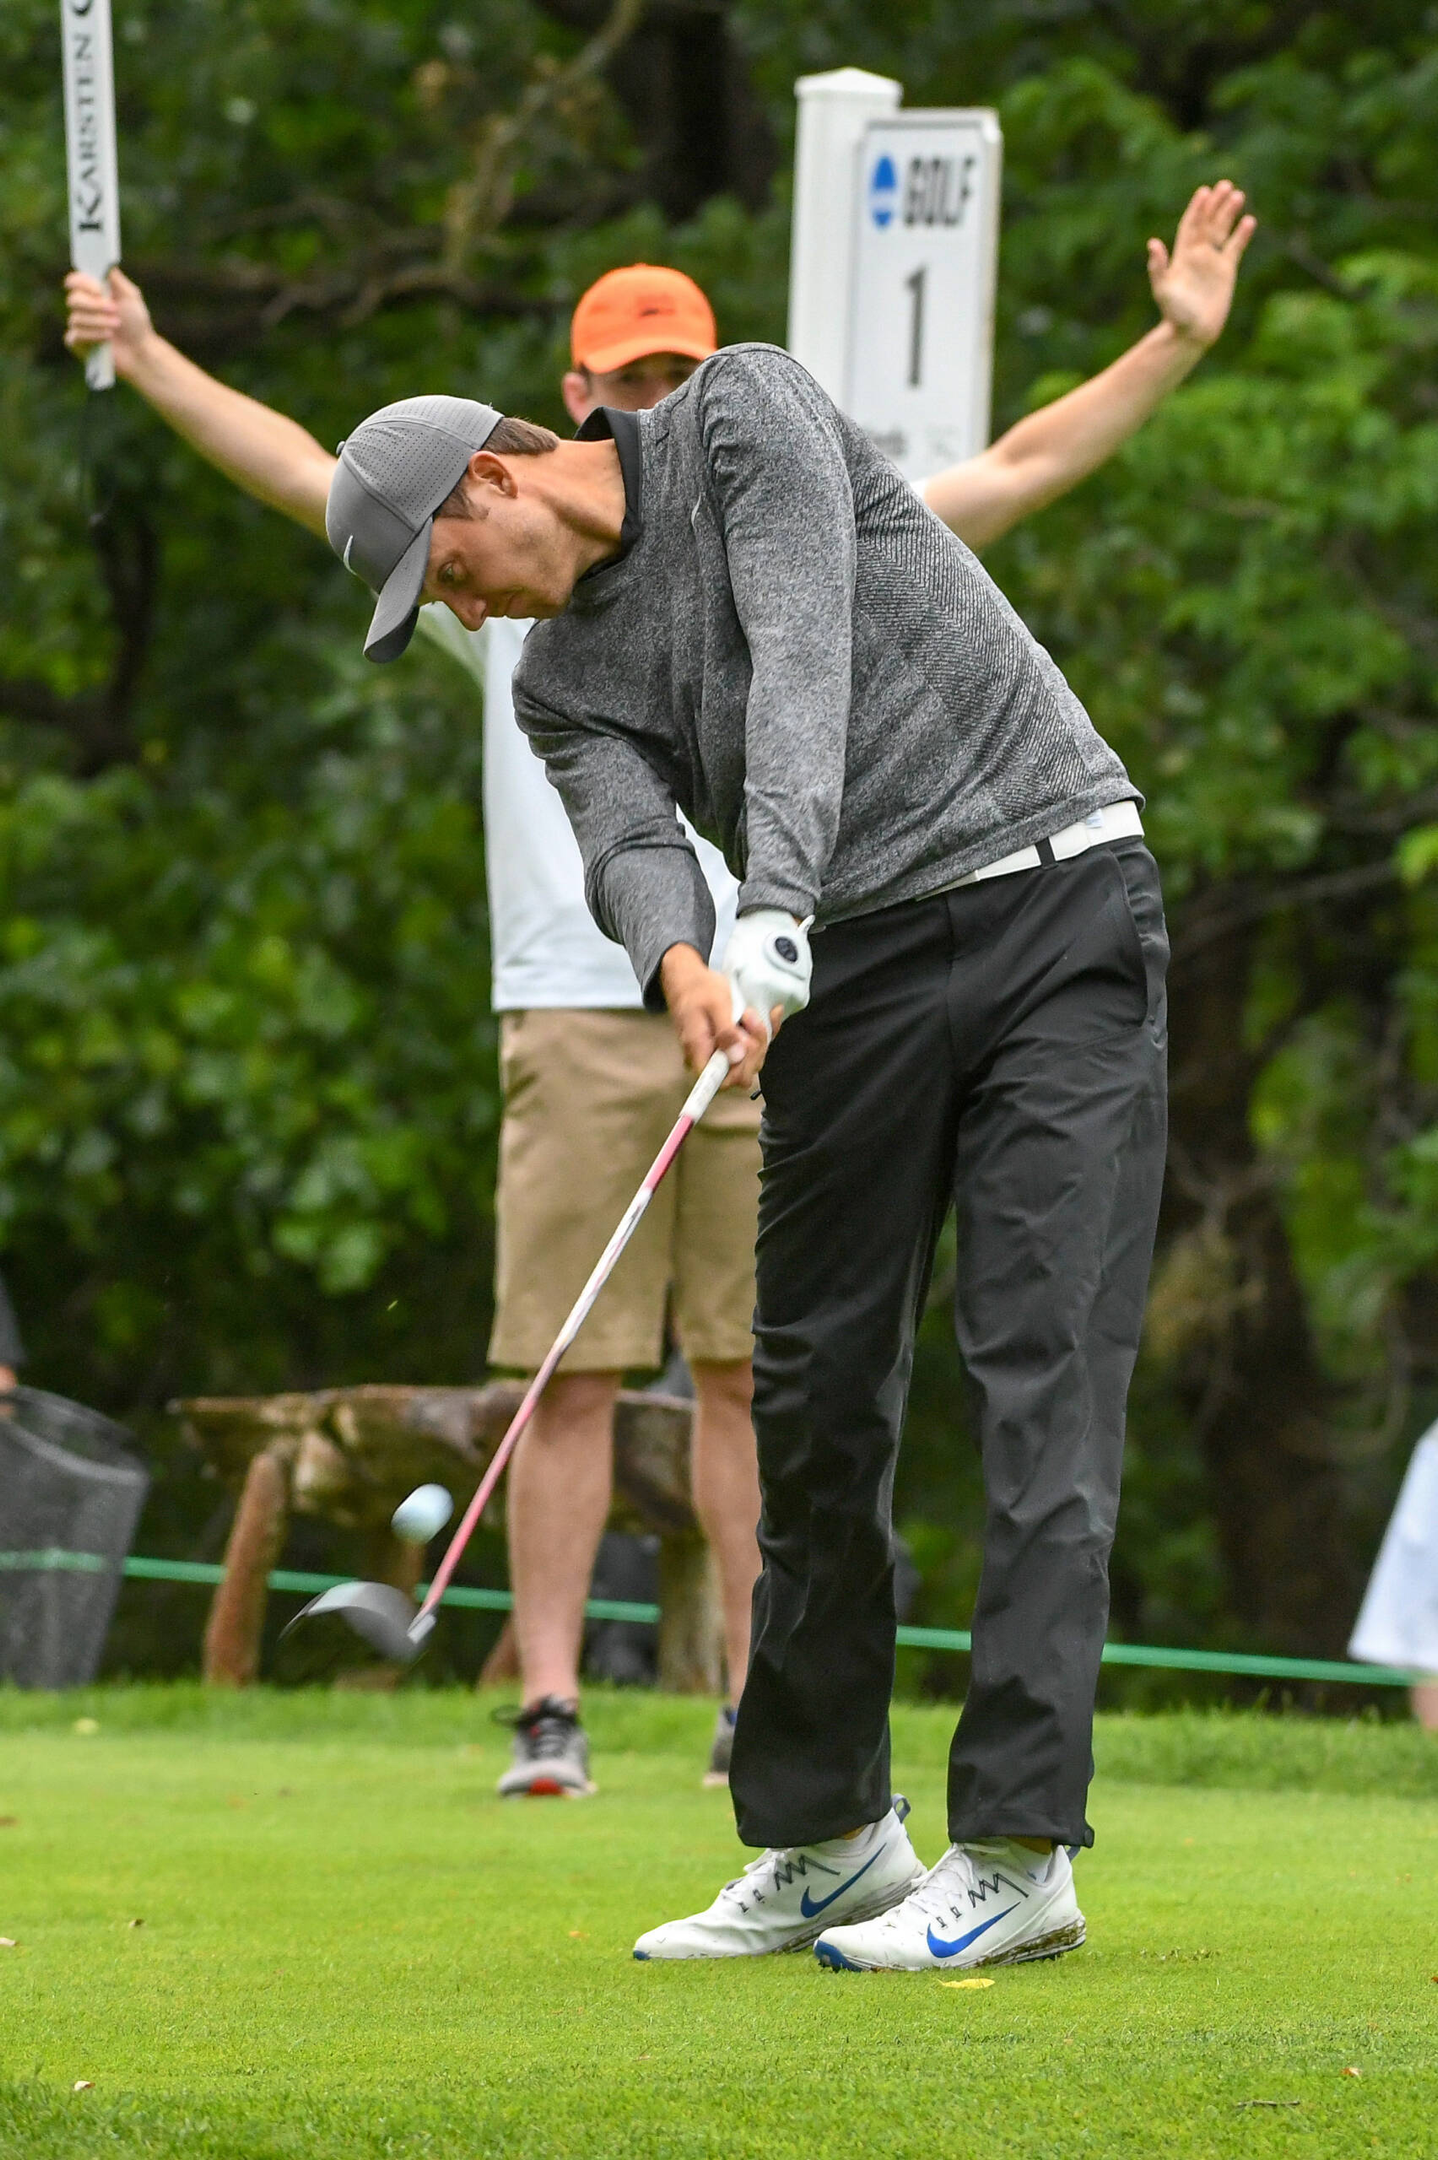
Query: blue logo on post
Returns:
{"type": "Point", "coordinates": [883, 191]}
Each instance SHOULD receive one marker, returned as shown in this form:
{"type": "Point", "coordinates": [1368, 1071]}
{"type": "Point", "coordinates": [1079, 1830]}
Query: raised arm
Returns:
{"type": "Point", "coordinates": [267, 455]}
{"type": "Point", "coordinates": [1050, 451]}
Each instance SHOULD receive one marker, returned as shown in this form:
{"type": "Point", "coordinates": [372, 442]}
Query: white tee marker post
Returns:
{"type": "Point", "coordinates": [834, 111]}
{"type": "Point", "coordinates": [90, 154]}
{"type": "Point", "coordinates": [896, 230]}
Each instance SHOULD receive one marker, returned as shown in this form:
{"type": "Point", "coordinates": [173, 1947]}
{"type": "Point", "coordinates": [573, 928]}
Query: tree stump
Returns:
{"type": "Point", "coordinates": [350, 1455]}
{"type": "Point", "coordinates": [691, 1633]}
{"type": "Point", "coordinates": [237, 1610]}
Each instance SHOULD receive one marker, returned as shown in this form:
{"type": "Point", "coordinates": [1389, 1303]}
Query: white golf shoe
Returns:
{"type": "Point", "coordinates": [989, 1903]}
{"type": "Point", "coordinates": [785, 1897]}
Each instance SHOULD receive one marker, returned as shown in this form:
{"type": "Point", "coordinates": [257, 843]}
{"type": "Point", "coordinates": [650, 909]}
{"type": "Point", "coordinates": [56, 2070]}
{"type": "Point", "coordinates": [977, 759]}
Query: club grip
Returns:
{"type": "Point", "coordinates": [706, 1087]}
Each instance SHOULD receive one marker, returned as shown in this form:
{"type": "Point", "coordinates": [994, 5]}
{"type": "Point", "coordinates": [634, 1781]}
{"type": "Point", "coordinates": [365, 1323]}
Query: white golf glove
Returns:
{"type": "Point", "coordinates": [768, 961]}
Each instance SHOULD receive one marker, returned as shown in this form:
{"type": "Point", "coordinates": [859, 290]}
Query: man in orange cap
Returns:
{"type": "Point", "coordinates": [591, 1081]}
{"type": "Point", "coordinates": [630, 327]}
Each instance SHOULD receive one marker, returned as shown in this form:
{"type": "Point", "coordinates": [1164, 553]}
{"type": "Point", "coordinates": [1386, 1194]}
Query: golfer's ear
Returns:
{"type": "Point", "coordinates": [488, 471]}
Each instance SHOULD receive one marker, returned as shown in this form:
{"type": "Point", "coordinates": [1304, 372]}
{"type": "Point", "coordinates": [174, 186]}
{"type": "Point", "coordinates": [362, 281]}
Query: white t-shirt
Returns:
{"type": "Point", "coordinates": [546, 948]}
{"type": "Point", "coordinates": [1398, 1624]}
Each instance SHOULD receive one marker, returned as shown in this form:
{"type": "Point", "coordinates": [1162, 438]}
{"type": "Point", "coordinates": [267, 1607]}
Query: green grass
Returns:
{"type": "Point", "coordinates": [350, 1948]}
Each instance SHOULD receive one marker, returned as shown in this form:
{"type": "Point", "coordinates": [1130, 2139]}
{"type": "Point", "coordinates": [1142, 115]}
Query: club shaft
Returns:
{"type": "Point", "coordinates": [703, 1092]}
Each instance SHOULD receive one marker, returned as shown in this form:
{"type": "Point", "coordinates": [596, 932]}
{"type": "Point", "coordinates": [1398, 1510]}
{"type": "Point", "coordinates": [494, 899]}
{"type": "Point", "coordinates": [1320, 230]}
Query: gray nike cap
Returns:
{"type": "Point", "coordinates": [393, 474]}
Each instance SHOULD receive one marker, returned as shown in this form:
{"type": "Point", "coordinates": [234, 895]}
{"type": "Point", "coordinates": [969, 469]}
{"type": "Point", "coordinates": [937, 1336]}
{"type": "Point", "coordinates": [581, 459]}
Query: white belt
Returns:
{"type": "Point", "coordinates": [1116, 821]}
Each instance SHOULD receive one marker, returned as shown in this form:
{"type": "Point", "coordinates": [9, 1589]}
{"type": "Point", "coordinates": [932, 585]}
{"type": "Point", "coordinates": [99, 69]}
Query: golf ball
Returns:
{"type": "Point", "coordinates": [427, 1509]}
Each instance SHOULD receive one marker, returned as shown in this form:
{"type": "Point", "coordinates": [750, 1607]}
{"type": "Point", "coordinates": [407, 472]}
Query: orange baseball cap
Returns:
{"type": "Point", "coordinates": [639, 310]}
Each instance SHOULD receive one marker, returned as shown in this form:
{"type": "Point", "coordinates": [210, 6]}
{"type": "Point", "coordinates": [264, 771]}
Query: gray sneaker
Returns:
{"type": "Point", "coordinates": [551, 1752]}
{"type": "Point", "coordinates": [723, 1748]}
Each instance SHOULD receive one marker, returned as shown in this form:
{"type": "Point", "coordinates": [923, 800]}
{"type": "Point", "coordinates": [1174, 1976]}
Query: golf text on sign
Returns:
{"type": "Point", "coordinates": [90, 152]}
{"type": "Point", "coordinates": [925, 250]}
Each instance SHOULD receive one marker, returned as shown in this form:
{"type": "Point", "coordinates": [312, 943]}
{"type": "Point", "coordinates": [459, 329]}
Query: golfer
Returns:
{"type": "Point", "coordinates": [583, 1065]}
{"type": "Point", "coordinates": [745, 616]}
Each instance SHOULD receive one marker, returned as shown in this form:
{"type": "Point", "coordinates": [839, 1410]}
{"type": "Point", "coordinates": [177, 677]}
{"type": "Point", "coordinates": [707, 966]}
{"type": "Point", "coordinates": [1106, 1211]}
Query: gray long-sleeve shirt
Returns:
{"type": "Point", "coordinates": [796, 652]}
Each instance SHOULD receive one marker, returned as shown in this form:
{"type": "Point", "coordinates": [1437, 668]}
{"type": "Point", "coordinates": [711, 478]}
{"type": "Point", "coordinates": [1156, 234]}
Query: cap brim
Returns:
{"type": "Point", "coordinates": [647, 345]}
{"type": "Point", "coordinates": [397, 612]}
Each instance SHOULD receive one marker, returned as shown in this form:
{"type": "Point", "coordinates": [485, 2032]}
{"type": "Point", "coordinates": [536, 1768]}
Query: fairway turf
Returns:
{"type": "Point", "coordinates": [350, 1947]}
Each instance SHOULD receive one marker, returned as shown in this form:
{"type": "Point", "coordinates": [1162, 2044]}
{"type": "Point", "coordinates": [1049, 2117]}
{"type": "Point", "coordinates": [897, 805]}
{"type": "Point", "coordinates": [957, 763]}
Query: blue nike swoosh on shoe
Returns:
{"type": "Point", "coordinates": [942, 1949]}
{"type": "Point", "coordinates": [809, 1910]}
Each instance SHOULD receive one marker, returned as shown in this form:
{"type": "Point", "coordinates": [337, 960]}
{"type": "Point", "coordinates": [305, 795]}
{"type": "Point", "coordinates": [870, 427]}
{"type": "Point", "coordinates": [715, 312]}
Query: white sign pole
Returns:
{"type": "Point", "coordinates": [90, 154]}
{"type": "Point", "coordinates": [925, 254]}
{"type": "Point", "coordinates": [834, 111]}
{"type": "Point", "coordinates": [894, 264]}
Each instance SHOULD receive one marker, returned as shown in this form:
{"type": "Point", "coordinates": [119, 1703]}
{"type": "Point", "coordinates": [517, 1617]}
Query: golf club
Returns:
{"type": "Point", "coordinates": [384, 1617]}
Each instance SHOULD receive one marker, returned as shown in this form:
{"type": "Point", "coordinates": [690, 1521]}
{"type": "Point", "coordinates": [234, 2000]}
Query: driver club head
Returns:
{"type": "Point", "coordinates": [379, 1614]}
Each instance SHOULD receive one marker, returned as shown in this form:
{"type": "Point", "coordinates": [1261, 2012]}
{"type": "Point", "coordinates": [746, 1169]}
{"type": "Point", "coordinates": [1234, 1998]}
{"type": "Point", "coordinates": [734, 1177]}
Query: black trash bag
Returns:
{"type": "Point", "coordinates": [71, 1491]}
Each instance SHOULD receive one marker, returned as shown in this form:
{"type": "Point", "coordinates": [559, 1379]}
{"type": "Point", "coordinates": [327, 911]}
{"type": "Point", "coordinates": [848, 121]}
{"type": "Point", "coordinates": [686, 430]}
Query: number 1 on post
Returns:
{"type": "Point", "coordinates": [915, 285]}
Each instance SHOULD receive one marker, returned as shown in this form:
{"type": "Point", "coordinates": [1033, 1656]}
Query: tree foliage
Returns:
{"type": "Point", "coordinates": [247, 1095]}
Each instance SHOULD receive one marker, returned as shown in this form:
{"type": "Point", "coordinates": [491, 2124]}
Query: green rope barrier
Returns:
{"type": "Point", "coordinates": [1269, 1668]}
{"type": "Point", "coordinates": [305, 1585]}
{"type": "Point", "coordinates": [1158, 1658]}
{"type": "Point", "coordinates": [1153, 1657]}
{"type": "Point", "coordinates": [52, 1560]}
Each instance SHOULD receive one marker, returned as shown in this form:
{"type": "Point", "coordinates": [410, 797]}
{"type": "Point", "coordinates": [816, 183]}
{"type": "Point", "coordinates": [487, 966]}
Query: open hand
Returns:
{"type": "Point", "coordinates": [1194, 285]}
{"type": "Point", "coordinates": [112, 314]}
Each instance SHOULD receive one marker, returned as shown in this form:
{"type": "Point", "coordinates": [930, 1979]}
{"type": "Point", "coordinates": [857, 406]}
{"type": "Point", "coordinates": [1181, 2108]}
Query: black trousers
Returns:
{"type": "Point", "coordinates": [1001, 1046]}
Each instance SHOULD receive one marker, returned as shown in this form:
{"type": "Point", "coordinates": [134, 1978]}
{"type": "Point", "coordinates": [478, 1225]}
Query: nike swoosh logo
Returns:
{"type": "Point", "coordinates": [942, 1949]}
{"type": "Point", "coordinates": [808, 1908]}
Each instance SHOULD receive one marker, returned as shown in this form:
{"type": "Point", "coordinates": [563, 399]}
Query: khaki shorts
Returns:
{"type": "Point", "coordinates": [588, 1100]}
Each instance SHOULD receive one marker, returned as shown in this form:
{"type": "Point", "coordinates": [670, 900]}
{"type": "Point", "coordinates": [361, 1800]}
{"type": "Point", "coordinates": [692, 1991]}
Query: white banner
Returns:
{"type": "Point", "coordinates": [90, 153]}
{"type": "Point", "coordinates": [925, 240]}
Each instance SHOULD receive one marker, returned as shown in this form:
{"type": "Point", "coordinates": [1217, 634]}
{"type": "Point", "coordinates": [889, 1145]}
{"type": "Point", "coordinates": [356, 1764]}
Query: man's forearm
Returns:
{"type": "Point", "coordinates": [1052, 450]}
{"type": "Point", "coordinates": [268, 455]}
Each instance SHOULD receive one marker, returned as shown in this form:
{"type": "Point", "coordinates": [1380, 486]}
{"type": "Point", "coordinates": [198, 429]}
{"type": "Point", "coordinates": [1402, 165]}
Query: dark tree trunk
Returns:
{"type": "Point", "coordinates": [684, 86]}
{"type": "Point", "coordinates": [1264, 1413]}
